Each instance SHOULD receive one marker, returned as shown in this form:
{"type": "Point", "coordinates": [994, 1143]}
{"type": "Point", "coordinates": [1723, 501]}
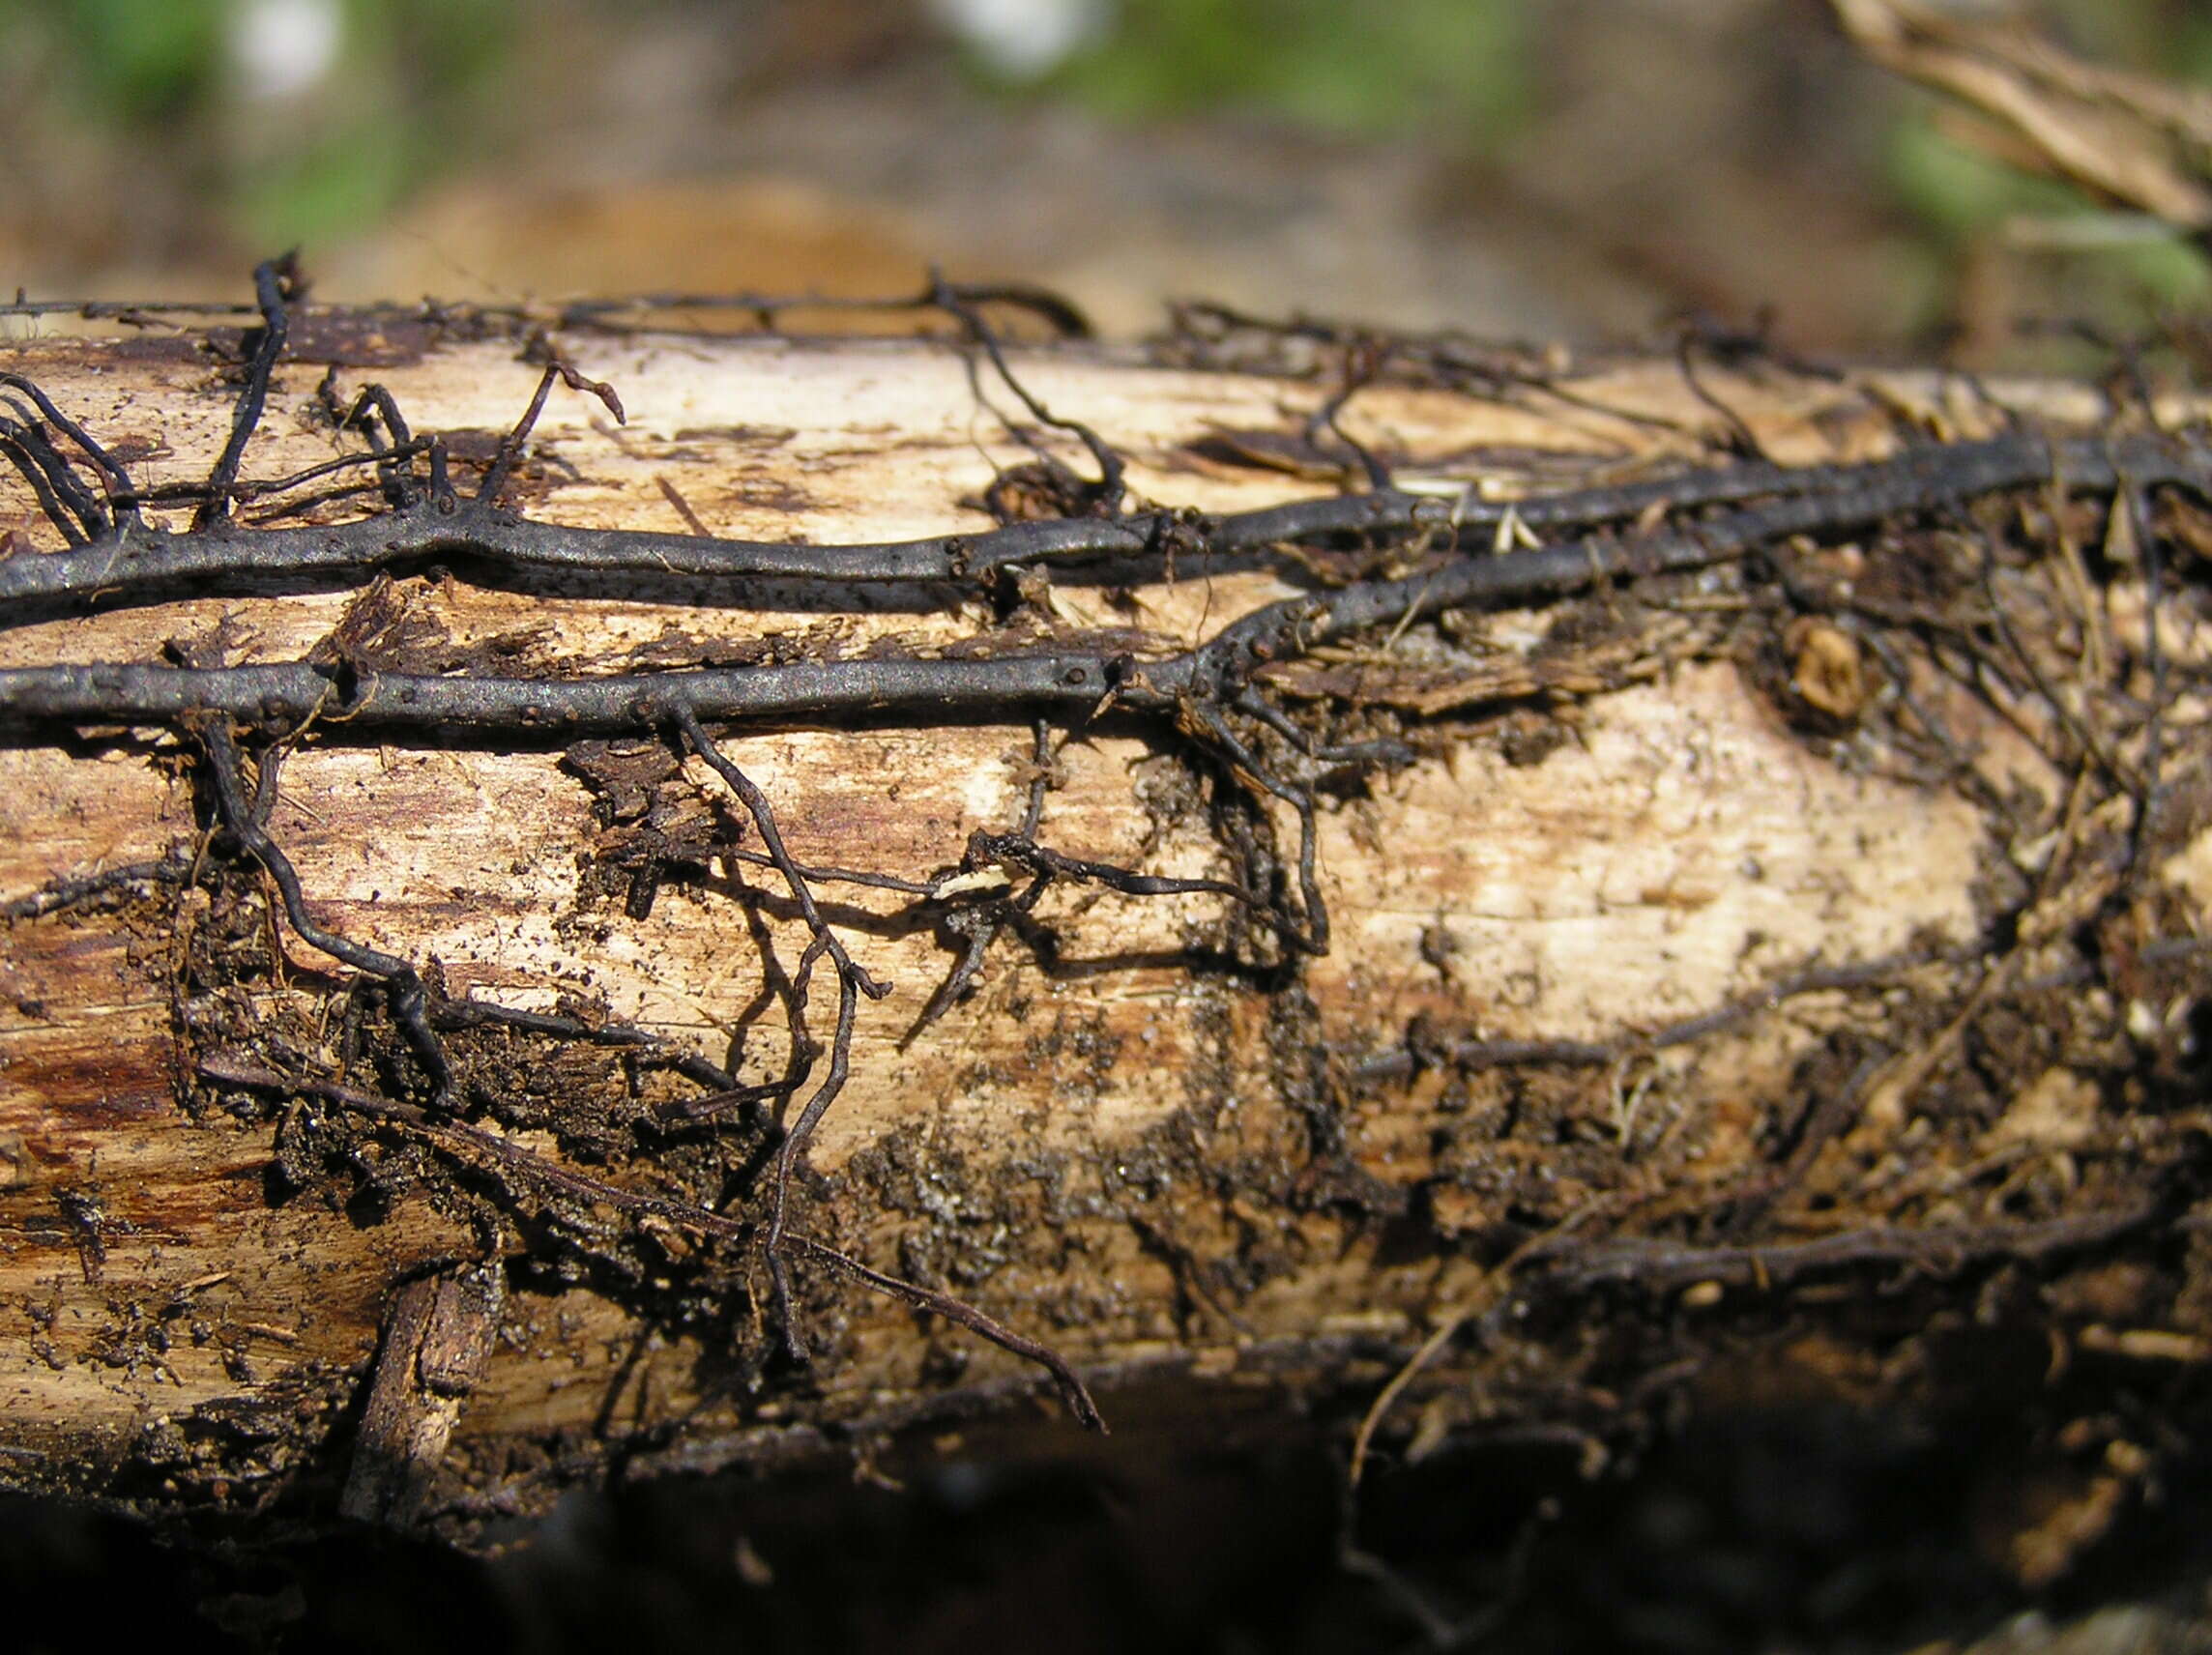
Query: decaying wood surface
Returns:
{"type": "Point", "coordinates": [1755, 979]}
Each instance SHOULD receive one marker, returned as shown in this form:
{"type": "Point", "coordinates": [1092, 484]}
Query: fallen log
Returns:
{"type": "Point", "coordinates": [586, 891]}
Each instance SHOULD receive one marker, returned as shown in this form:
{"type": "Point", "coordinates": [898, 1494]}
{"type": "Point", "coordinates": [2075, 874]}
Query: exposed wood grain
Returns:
{"type": "Point", "coordinates": [1199, 1185]}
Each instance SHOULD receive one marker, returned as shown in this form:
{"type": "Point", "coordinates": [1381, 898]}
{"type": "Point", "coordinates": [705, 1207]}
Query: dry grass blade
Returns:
{"type": "Point", "coordinates": [2135, 140]}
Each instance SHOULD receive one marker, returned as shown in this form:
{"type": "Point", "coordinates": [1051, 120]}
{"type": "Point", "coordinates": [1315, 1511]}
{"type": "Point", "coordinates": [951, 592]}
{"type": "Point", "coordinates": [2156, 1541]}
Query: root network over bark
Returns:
{"type": "Point", "coordinates": [1212, 699]}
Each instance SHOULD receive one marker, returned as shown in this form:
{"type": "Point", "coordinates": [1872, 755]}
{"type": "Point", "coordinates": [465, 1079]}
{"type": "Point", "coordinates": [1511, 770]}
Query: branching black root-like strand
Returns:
{"type": "Point", "coordinates": [1921, 479]}
{"type": "Point", "coordinates": [1071, 1386]}
{"type": "Point", "coordinates": [1109, 491]}
{"type": "Point", "coordinates": [1363, 361]}
{"type": "Point", "coordinates": [138, 565]}
{"type": "Point", "coordinates": [510, 445]}
{"type": "Point", "coordinates": [978, 926]}
{"type": "Point", "coordinates": [242, 821]}
{"type": "Point", "coordinates": [276, 282]}
{"type": "Point", "coordinates": [1499, 1053]}
{"type": "Point", "coordinates": [852, 979]}
{"type": "Point", "coordinates": [116, 480]}
{"type": "Point", "coordinates": [448, 1015]}
{"type": "Point", "coordinates": [1659, 1266]}
{"type": "Point", "coordinates": [1205, 725]}
{"type": "Point", "coordinates": [634, 313]}
{"type": "Point", "coordinates": [1020, 851]}
{"type": "Point", "coordinates": [286, 693]}
{"type": "Point", "coordinates": [67, 893]}
{"type": "Point", "coordinates": [60, 501]}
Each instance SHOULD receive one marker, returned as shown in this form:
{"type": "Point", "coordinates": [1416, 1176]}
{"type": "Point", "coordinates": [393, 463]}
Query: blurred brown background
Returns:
{"type": "Point", "coordinates": [1583, 169]}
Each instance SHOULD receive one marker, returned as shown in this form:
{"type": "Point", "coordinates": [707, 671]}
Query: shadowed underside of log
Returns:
{"type": "Point", "coordinates": [1760, 976]}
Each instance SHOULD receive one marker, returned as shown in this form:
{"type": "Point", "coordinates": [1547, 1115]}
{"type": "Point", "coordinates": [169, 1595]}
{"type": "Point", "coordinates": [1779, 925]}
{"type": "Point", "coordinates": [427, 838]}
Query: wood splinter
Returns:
{"type": "Point", "coordinates": [436, 1341]}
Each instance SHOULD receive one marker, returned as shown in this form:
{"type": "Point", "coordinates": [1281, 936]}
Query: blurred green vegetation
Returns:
{"type": "Point", "coordinates": [2117, 262]}
{"type": "Point", "coordinates": [136, 62]}
{"type": "Point", "coordinates": [2158, 37]}
{"type": "Point", "coordinates": [398, 114]}
{"type": "Point", "coordinates": [1457, 68]}
{"type": "Point", "coordinates": [158, 79]}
